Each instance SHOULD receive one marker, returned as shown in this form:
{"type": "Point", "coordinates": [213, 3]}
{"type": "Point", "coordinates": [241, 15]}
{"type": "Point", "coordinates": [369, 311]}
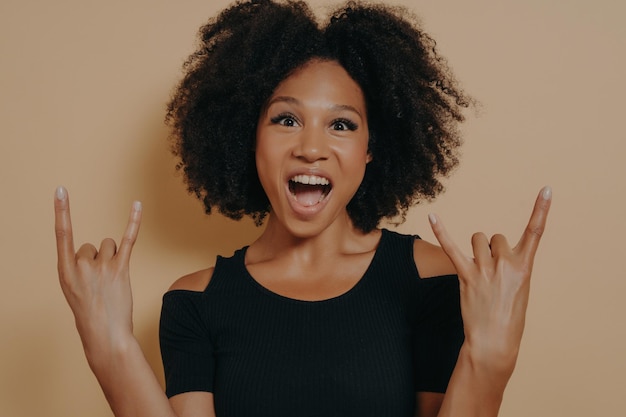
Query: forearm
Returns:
{"type": "Point", "coordinates": [475, 390]}
{"type": "Point", "coordinates": [128, 382]}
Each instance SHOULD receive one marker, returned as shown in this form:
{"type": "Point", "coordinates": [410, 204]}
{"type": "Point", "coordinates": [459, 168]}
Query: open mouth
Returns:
{"type": "Point", "coordinates": [309, 190]}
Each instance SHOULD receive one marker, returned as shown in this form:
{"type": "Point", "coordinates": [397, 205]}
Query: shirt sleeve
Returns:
{"type": "Point", "coordinates": [186, 348]}
{"type": "Point", "coordinates": [438, 334]}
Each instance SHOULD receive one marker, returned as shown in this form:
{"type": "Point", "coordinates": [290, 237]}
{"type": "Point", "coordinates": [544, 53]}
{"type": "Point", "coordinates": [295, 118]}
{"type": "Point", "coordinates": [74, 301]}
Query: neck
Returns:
{"type": "Point", "coordinates": [341, 237]}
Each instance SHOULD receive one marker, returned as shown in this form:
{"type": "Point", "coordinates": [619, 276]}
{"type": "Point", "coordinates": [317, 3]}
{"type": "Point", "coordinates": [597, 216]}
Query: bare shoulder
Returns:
{"type": "Point", "coordinates": [196, 281]}
{"type": "Point", "coordinates": [431, 260]}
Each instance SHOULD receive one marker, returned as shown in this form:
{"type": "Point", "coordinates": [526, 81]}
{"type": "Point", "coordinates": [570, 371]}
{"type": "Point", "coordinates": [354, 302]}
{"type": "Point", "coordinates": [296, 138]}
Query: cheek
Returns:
{"type": "Point", "coordinates": [353, 163]}
{"type": "Point", "coordinates": [267, 158]}
{"type": "Point", "coordinates": [356, 155]}
{"type": "Point", "coordinates": [262, 166]}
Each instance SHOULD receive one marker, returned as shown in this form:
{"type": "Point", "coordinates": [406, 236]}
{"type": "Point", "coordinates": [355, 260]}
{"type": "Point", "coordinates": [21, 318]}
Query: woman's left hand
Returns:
{"type": "Point", "coordinates": [494, 286]}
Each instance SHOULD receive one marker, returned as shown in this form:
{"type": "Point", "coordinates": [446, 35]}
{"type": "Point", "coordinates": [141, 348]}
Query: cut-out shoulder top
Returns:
{"type": "Point", "coordinates": [363, 353]}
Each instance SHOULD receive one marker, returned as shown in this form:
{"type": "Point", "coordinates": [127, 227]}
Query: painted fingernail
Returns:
{"type": "Point", "coordinates": [137, 205]}
{"type": "Point", "coordinates": [432, 218]}
{"type": "Point", "coordinates": [61, 193]}
{"type": "Point", "coordinates": [546, 193]}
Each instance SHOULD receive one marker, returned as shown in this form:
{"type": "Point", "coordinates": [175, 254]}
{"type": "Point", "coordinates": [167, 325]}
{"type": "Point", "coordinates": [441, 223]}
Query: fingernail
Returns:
{"type": "Point", "coordinates": [137, 205]}
{"type": "Point", "coordinates": [546, 193]}
{"type": "Point", "coordinates": [432, 218]}
{"type": "Point", "coordinates": [61, 193]}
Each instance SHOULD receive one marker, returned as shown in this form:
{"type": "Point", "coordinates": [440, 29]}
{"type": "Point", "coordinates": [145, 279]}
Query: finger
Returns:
{"type": "Point", "coordinates": [460, 261]}
{"type": "Point", "coordinates": [130, 235]}
{"type": "Point", "coordinates": [499, 245]}
{"type": "Point", "coordinates": [63, 228]}
{"type": "Point", "coordinates": [480, 246]}
{"type": "Point", "coordinates": [87, 251]}
{"type": "Point", "coordinates": [529, 241]}
{"type": "Point", "coordinates": [107, 249]}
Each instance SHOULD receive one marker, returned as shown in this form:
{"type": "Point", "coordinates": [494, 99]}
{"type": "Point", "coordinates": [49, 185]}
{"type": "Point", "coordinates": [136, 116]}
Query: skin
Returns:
{"type": "Point", "coordinates": [302, 131]}
{"type": "Point", "coordinates": [311, 137]}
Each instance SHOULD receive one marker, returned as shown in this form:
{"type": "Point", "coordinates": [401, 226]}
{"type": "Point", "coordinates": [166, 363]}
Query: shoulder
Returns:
{"type": "Point", "coordinates": [196, 281]}
{"type": "Point", "coordinates": [431, 260]}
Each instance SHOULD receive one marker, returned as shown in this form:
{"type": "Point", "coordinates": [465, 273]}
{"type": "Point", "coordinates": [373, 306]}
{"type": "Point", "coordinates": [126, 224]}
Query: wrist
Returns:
{"type": "Point", "coordinates": [494, 368]}
{"type": "Point", "coordinates": [106, 353]}
{"type": "Point", "coordinates": [476, 388]}
{"type": "Point", "coordinates": [493, 355]}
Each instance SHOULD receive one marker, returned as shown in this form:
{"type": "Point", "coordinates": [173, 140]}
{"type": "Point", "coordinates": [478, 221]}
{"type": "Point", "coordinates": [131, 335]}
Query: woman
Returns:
{"type": "Point", "coordinates": [320, 133]}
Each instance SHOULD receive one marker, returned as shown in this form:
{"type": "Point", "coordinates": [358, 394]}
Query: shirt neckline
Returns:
{"type": "Point", "coordinates": [355, 288]}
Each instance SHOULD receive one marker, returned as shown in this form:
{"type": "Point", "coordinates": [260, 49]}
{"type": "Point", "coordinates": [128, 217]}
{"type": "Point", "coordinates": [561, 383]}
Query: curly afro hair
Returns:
{"type": "Point", "coordinates": [413, 102]}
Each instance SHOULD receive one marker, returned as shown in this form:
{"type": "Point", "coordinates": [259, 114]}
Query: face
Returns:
{"type": "Point", "coordinates": [312, 147]}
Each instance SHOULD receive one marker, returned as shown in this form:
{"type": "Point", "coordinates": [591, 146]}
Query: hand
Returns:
{"type": "Point", "coordinates": [494, 286]}
{"type": "Point", "coordinates": [96, 283]}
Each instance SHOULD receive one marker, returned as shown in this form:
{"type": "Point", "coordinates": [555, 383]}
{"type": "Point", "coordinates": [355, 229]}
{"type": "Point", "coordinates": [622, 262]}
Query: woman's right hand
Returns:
{"type": "Point", "coordinates": [96, 282]}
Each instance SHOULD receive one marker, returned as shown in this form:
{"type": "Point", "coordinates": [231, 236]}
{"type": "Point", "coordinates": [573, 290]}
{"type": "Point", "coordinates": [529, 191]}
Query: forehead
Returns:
{"type": "Point", "coordinates": [322, 81]}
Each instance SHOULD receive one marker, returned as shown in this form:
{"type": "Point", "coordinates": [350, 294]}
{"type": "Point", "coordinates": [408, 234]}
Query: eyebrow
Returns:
{"type": "Point", "coordinates": [295, 101]}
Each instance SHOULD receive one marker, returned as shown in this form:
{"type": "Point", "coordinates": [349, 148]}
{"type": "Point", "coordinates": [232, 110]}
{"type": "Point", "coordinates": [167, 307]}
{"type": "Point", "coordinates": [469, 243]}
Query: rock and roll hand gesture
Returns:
{"type": "Point", "coordinates": [96, 282]}
{"type": "Point", "coordinates": [494, 286]}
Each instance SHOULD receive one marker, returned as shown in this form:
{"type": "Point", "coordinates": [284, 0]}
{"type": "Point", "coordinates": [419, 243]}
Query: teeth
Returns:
{"type": "Point", "coordinates": [310, 180]}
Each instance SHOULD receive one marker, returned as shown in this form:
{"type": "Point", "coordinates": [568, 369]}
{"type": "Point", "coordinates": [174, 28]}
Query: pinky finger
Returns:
{"type": "Point", "coordinates": [529, 241]}
{"type": "Point", "coordinates": [130, 235]}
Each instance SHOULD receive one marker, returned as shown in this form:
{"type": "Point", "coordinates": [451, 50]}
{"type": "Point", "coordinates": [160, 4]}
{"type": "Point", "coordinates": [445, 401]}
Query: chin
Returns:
{"type": "Point", "coordinates": [313, 227]}
{"type": "Point", "coordinates": [305, 229]}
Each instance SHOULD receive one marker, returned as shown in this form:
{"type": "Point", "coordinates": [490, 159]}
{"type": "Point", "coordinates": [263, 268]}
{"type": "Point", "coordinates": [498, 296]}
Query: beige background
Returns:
{"type": "Point", "coordinates": [83, 86]}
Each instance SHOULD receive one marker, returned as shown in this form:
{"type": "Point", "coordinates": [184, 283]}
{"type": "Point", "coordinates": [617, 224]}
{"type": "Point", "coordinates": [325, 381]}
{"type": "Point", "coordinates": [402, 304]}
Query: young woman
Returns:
{"type": "Point", "coordinates": [319, 132]}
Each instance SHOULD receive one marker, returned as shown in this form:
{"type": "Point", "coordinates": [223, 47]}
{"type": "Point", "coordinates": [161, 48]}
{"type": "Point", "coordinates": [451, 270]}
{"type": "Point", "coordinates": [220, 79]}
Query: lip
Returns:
{"type": "Point", "coordinates": [299, 209]}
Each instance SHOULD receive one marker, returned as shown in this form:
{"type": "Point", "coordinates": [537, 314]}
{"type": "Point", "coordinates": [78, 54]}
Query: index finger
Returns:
{"type": "Point", "coordinates": [529, 242]}
{"type": "Point", "coordinates": [460, 261]}
{"type": "Point", "coordinates": [63, 228]}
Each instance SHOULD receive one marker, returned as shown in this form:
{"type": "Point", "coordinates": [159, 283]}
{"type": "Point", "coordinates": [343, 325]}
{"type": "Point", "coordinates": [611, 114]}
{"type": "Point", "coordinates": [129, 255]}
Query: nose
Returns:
{"type": "Point", "coordinates": [312, 145]}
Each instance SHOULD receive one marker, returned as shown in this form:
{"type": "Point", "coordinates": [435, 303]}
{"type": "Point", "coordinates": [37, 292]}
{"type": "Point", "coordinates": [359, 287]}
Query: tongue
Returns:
{"type": "Point", "coordinates": [308, 195]}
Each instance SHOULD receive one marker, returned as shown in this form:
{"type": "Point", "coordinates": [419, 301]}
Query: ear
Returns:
{"type": "Point", "coordinates": [368, 157]}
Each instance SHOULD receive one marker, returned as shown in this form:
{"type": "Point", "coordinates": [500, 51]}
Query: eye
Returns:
{"type": "Point", "coordinates": [344, 124]}
{"type": "Point", "coordinates": [285, 119]}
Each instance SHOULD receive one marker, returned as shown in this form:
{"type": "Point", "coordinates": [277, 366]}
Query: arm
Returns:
{"type": "Point", "coordinates": [428, 404]}
{"type": "Point", "coordinates": [474, 389]}
{"type": "Point", "coordinates": [96, 285]}
{"type": "Point", "coordinates": [494, 288]}
{"type": "Point", "coordinates": [193, 404]}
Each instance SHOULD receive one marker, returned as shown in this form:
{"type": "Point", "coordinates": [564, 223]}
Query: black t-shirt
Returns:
{"type": "Point", "coordinates": [363, 353]}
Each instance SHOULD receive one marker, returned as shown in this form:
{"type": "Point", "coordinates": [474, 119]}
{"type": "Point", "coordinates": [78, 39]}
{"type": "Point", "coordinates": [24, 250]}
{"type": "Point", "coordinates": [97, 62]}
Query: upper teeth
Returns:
{"type": "Point", "coordinates": [310, 179]}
